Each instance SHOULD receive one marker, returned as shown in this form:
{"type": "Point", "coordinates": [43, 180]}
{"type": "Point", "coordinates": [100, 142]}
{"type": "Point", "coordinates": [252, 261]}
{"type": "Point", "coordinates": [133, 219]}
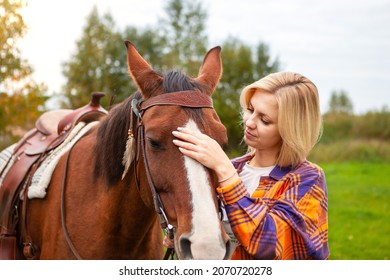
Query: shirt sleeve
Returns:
{"type": "Point", "coordinates": [289, 221]}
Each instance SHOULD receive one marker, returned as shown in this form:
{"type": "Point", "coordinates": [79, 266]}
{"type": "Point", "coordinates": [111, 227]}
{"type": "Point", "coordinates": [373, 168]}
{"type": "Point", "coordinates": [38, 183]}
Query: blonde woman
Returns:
{"type": "Point", "coordinates": [274, 199]}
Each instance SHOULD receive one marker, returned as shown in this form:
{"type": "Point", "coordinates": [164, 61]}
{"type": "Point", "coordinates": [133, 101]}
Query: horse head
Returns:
{"type": "Point", "coordinates": [183, 189]}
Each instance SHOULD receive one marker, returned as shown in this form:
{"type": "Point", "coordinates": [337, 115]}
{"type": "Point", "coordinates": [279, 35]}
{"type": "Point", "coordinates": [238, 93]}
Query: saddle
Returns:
{"type": "Point", "coordinates": [51, 129]}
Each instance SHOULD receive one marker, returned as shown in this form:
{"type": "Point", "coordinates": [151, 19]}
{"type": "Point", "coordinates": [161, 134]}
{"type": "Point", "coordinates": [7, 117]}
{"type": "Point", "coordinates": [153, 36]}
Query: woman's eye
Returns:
{"type": "Point", "coordinates": [265, 121]}
{"type": "Point", "coordinates": [249, 109]}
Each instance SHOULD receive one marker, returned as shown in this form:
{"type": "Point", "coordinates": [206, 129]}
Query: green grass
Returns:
{"type": "Point", "coordinates": [359, 210]}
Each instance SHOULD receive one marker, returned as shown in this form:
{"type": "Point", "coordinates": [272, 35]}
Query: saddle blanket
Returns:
{"type": "Point", "coordinates": [42, 176]}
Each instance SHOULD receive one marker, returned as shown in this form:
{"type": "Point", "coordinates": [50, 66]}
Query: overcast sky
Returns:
{"type": "Point", "coordinates": [338, 44]}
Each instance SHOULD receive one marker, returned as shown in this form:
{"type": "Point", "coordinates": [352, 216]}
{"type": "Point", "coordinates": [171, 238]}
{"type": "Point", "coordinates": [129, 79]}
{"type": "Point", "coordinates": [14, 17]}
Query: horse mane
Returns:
{"type": "Point", "coordinates": [112, 132]}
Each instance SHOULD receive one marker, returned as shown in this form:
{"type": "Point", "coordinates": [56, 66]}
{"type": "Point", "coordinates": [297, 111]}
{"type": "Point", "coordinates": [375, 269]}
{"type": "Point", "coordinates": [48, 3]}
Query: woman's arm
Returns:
{"type": "Point", "coordinates": [288, 221]}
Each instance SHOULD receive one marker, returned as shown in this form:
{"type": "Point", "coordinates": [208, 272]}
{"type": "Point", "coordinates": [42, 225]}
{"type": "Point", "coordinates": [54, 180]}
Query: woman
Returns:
{"type": "Point", "coordinates": [275, 200]}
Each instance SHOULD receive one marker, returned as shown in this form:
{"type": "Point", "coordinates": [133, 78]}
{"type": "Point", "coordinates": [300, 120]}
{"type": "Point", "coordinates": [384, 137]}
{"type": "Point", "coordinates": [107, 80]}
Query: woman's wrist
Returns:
{"type": "Point", "coordinates": [227, 178]}
{"type": "Point", "coordinates": [225, 174]}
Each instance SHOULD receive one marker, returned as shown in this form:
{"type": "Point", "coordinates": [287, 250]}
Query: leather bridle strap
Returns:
{"type": "Point", "coordinates": [191, 99]}
{"type": "Point", "coordinates": [186, 98]}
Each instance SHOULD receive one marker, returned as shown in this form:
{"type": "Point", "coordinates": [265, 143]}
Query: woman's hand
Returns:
{"type": "Point", "coordinates": [205, 150]}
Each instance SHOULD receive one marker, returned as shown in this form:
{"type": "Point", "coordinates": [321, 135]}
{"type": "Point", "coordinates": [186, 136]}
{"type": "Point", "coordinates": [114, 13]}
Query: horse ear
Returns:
{"type": "Point", "coordinates": [148, 82]}
{"type": "Point", "coordinates": [210, 71]}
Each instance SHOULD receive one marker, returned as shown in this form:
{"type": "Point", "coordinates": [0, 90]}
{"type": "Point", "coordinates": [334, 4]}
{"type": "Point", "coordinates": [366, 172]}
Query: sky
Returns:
{"type": "Point", "coordinates": [338, 44]}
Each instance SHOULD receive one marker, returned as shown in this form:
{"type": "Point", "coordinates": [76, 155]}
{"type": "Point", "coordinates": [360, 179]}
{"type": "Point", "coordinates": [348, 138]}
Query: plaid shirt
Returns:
{"type": "Point", "coordinates": [285, 218]}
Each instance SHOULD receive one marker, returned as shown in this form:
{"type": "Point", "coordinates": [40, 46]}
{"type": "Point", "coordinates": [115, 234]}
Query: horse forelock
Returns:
{"type": "Point", "coordinates": [176, 80]}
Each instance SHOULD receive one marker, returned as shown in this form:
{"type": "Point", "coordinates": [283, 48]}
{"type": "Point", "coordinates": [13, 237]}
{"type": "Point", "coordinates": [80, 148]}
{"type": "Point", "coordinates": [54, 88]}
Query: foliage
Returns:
{"type": "Point", "coordinates": [13, 67]}
{"type": "Point", "coordinates": [240, 68]}
{"type": "Point", "coordinates": [364, 150]}
{"type": "Point", "coordinates": [99, 63]}
{"type": "Point", "coordinates": [237, 72]}
{"type": "Point", "coordinates": [183, 35]}
{"type": "Point", "coordinates": [346, 137]}
{"type": "Point", "coordinates": [336, 127]}
{"type": "Point", "coordinates": [21, 98]}
{"type": "Point", "coordinates": [359, 201]}
{"type": "Point", "coordinates": [340, 103]}
{"type": "Point", "coordinates": [15, 109]}
{"type": "Point", "coordinates": [371, 125]}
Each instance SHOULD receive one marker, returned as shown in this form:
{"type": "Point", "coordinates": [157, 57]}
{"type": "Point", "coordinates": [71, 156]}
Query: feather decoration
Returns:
{"type": "Point", "coordinates": [129, 154]}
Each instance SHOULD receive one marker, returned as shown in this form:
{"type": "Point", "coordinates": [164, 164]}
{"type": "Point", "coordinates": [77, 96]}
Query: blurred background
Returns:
{"type": "Point", "coordinates": [54, 54]}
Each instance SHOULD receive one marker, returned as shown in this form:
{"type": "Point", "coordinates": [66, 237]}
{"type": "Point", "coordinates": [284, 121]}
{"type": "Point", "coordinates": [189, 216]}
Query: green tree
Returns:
{"type": "Point", "coordinates": [340, 103]}
{"type": "Point", "coordinates": [148, 42]}
{"type": "Point", "coordinates": [242, 65]}
{"type": "Point", "coordinates": [373, 125]}
{"type": "Point", "coordinates": [21, 98]}
{"type": "Point", "coordinates": [184, 35]}
{"type": "Point", "coordinates": [99, 63]}
{"type": "Point", "coordinates": [265, 65]}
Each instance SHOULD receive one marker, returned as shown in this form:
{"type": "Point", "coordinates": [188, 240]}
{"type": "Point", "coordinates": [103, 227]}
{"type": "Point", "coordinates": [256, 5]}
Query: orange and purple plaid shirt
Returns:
{"type": "Point", "coordinates": [285, 218]}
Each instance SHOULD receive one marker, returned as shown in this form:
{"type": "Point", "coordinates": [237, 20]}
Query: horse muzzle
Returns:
{"type": "Point", "coordinates": [194, 248]}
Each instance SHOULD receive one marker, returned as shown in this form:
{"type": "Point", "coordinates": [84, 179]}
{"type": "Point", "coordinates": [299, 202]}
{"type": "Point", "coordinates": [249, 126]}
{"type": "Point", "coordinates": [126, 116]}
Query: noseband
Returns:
{"type": "Point", "coordinates": [190, 99]}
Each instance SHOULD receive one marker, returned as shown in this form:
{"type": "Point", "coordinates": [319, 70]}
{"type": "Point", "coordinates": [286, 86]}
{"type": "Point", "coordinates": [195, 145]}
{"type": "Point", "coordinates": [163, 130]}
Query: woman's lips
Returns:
{"type": "Point", "coordinates": [248, 134]}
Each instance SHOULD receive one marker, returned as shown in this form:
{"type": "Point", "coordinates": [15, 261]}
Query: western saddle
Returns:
{"type": "Point", "coordinates": [51, 130]}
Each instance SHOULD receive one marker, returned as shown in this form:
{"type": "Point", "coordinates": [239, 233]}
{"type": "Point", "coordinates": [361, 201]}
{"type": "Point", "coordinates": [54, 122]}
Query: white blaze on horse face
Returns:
{"type": "Point", "coordinates": [206, 236]}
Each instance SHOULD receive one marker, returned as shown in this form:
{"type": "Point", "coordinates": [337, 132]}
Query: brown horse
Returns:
{"type": "Point", "coordinates": [112, 213]}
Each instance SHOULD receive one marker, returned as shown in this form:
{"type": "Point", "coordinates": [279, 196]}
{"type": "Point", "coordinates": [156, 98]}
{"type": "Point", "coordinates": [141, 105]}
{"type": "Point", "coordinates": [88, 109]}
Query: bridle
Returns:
{"type": "Point", "coordinates": [189, 99]}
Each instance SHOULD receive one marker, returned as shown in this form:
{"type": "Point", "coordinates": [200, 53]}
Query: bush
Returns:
{"type": "Point", "coordinates": [352, 150]}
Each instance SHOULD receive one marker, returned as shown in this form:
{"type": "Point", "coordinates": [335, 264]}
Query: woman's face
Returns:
{"type": "Point", "coordinates": [261, 123]}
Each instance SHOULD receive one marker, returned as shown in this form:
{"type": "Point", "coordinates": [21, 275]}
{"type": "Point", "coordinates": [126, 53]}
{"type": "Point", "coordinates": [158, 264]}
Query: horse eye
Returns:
{"type": "Point", "coordinates": [154, 144]}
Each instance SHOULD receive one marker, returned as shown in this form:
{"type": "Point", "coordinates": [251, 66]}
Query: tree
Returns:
{"type": "Point", "coordinates": [340, 103]}
{"type": "Point", "coordinates": [99, 63]}
{"type": "Point", "coordinates": [264, 65]}
{"type": "Point", "coordinates": [240, 68]}
{"type": "Point", "coordinates": [13, 67]}
{"type": "Point", "coordinates": [184, 35]}
{"type": "Point", "coordinates": [21, 98]}
{"type": "Point", "coordinates": [148, 42]}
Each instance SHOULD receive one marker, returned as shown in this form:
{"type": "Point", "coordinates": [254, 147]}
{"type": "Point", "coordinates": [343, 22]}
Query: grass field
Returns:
{"type": "Point", "coordinates": [359, 210]}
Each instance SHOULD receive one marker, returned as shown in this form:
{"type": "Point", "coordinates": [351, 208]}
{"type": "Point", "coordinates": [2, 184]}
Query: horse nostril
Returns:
{"type": "Point", "coordinates": [185, 247]}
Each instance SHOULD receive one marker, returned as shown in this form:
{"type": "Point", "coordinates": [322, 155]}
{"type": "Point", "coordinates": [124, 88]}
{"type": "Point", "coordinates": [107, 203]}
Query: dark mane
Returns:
{"type": "Point", "coordinates": [112, 132]}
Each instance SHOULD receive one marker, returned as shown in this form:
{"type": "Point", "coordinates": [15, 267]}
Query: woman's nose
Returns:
{"type": "Point", "coordinates": [250, 122]}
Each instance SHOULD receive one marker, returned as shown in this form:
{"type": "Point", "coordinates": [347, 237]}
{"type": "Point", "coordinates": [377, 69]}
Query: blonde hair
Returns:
{"type": "Point", "coordinates": [299, 116]}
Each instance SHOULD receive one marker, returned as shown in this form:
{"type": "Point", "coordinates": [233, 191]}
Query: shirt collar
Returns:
{"type": "Point", "coordinates": [277, 172]}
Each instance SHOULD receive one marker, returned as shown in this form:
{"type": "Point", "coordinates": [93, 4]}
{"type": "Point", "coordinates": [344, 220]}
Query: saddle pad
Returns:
{"type": "Point", "coordinates": [42, 176]}
{"type": "Point", "coordinates": [6, 161]}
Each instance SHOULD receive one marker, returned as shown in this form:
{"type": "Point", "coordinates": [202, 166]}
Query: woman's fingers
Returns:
{"type": "Point", "coordinates": [184, 145]}
{"type": "Point", "coordinates": [187, 135]}
{"type": "Point", "coordinates": [203, 149]}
